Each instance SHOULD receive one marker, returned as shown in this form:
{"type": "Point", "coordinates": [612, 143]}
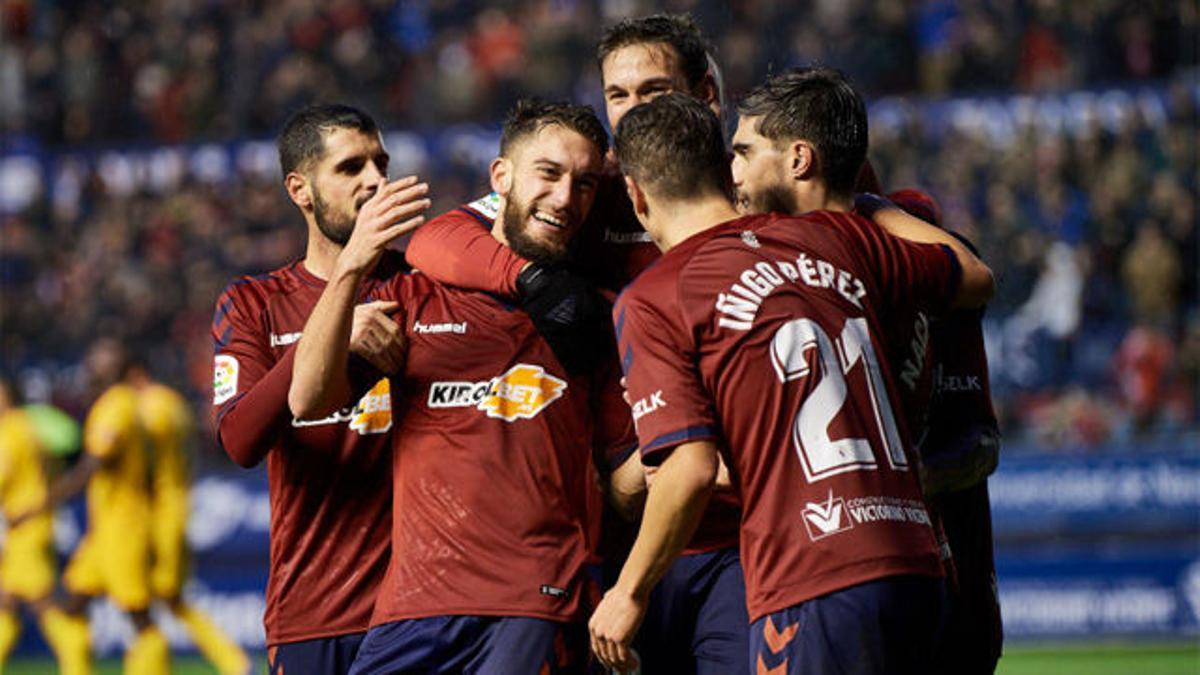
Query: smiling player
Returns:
{"type": "Point", "coordinates": [494, 499]}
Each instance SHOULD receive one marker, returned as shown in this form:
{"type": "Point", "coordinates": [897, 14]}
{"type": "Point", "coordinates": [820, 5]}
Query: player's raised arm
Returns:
{"type": "Point", "coordinates": [977, 286]}
{"type": "Point", "coordinates": [463, 253]}
{"type": "Point", "coordinates": [320, 381]}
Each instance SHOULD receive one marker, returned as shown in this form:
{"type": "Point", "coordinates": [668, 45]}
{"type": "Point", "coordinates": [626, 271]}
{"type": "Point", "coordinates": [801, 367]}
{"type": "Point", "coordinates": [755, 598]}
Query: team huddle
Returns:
{"type": "Point", "coordinates": [670, 406]}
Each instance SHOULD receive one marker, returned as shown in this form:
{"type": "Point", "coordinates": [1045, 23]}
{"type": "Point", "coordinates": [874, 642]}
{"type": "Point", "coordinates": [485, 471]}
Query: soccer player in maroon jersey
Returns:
{"type": "Point", "coordinates": [959, 449]}
{"type": "Point", "coordinates": [939, 364]}
{"type": "Point", "coordinates": [697, 618]}
{"type": "Point", "coordinates": [758, 337]}
{"type": "Point", "coordinates": [329, 479]}
{"type": "Point", "coordinates": [639, 59]}
{"type": "Point", "coordinates": [494, 497]}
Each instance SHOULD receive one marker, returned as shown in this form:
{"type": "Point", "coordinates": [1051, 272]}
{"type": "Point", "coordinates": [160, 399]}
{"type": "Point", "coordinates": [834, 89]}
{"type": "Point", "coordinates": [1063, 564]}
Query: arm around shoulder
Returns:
{"type": "Point", "coordinates": [977, 284]}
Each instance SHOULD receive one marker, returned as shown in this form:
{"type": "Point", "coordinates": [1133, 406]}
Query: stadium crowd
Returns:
{"type": "Point", "coordinates": [96, 71]}
{"type": "Point", "coordinates": [1095, 330]}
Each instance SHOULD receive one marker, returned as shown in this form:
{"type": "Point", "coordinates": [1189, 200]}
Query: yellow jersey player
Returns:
{"type": "Point", "coordinates": [168, 424]}
{"type": "Point", "coordinates": [113, 558]}
{"type": "Point", "coordinates": [27, 556]}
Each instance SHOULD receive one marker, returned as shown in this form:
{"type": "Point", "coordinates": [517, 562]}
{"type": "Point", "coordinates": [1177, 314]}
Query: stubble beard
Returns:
{"type": "Point", "coordinates": [336, 229]}
{"type": "Point", "coordinates": [515, 221]}
{"type": "Point", "coordinates": [774, 199]}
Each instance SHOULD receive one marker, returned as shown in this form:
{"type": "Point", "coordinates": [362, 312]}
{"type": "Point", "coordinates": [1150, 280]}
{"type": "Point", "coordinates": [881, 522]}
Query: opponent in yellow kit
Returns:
{"type": "Point", "coordinates": [167, 423]}
{"type": "Point", "coordinates": [113, 558]}
{"type": "Point", "coordinates": [27, 555]}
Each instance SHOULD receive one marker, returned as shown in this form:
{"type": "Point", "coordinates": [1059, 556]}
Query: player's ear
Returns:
{"type": "Point", "coordinates": [708, 93]}
{"type": "Point", "coordinates": [501, 172]}
{"type": "Point", "coordinates": [802, 160]}
{"type": "Point", "coordinates": [297, 187]}
{"type": "Point", "coordinates": [640, 208]}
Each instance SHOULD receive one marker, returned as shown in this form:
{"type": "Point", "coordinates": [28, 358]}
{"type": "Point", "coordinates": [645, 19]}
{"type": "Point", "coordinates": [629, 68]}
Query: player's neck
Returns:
{"type": "Point", "coordinates": [815, 196]}
{"type": "Point", "coordinates": [682, 219]}
{"type": "Point", "coordinates": [320, 255]}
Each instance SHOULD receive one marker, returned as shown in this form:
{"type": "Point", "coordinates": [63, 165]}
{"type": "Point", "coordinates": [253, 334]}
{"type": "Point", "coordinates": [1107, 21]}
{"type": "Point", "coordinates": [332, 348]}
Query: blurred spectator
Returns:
{"type": "Point", "coordinates": [92, 71]}
{"type": "Point", "coordinates": [1151, 271]}
{"type": "Point", "coordinates": [1090, 223]}
{"type": "Point", "coordinates": [1141, 367]}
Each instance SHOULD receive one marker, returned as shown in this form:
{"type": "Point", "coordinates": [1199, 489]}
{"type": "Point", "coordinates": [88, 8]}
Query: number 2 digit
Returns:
{"type": "Point", "coordinates": [820, 455]}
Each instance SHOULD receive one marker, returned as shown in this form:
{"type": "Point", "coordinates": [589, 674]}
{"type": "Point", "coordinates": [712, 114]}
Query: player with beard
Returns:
{"type": "Point", "coordinates": [329, 478]}
{"type": "Point", "coordinates": [842, 568]}
{"type": "Point", "coordinates": [697, 617]}
{"type": "Point", "coordinates": [939, 363]}
{"type": "Point", "coordinates": [494, 498]}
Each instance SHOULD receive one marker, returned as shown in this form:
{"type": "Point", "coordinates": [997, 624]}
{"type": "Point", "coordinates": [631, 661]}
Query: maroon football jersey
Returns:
{"type": "Point", "coordinates": [495, 500]}
{"type": "Point", "coordinates": [455, 248]}
{"type": "Point", "coordinates": [329, 480]}
{"type": "Point", "coordinates": [961, 441]}
{"type": "Point", "coordinates": [613, 248]}
{"type": "Point", "coordinates": [764, 336]}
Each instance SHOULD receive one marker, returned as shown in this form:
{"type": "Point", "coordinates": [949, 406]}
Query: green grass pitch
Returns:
{"type": "Point", "coordinates": [1122, 658]}
{"type": "Point", "coordinates": [1133, 658]}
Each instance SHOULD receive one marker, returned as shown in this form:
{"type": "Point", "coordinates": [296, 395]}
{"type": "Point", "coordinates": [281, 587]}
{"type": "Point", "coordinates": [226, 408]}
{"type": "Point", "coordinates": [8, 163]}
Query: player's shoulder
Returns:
{"type": "Point", "coordinates": [163, 399]}
{"type": "Point", "coordinates": [117, 403]}
{"type": "Point", "coordinates": [14, 427]}
{"type": "Point", "coordinates": [839, 237]}
{"type": "Point", "coordinates": [712, 255]}
{"type": "Point", "coordinates": [481, 212]}
{"type": "Point", "coordinates": [814, 227]}
{"type": "Point", "coordinates": [253, 290]}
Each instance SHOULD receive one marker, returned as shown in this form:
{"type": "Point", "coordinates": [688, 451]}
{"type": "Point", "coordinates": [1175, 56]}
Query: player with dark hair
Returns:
{"type": "Point", "coordinates": [939, 362]}
{"type": "Point", "coordinates": [644, 57]}
{"type": "Point", "coordinates": [756, 337]}
{"type": "Point", "coordinates": [494, 501]}
{"type": "Point", "coordinates": [697, 617]}
{"type": "Point", "coordinates": [788, 110]}
{"type": "Point", "coordinates": [329, 478]}
{"type": "Point", "coordinates": [639, 58]}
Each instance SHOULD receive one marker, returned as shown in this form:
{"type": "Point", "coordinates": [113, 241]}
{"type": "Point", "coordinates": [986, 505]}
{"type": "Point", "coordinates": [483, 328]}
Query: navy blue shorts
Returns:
{"type": "Point", "coordinates": [974, 636]}
{"type": "Point", "coordinates": [322, 656]}
{"type": "Point", "coordinates": [696, 620]}
{"type": "Point", "coordinates": [484, 645]}
{"type": "Point", "coordinates": [884, 626]}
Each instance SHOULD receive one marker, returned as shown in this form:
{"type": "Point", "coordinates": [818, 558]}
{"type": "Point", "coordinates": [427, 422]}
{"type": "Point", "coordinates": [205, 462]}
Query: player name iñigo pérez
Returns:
{"type": "Point", "coordinates": [740, 305]}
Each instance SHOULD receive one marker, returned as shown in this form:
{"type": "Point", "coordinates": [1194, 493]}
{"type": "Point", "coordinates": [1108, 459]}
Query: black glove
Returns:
{"type": "Point", "coordinates": [570, 315]}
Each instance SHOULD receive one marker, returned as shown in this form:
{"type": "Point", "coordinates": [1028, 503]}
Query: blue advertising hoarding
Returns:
{"type": "Point", "coordinates": [1086, 546]}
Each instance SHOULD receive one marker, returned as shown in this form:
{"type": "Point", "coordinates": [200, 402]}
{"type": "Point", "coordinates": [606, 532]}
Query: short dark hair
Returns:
{"type": "Point", "coordinates": [819, 105]}
{"type": "Point", "coordinates": [529, 116]}
{"type": "Point", "coordinates": [677, 31]}
{"type": "Point", "coordinates": [674, 147]}
{"type": "Point", "coordinates": [303, 137]}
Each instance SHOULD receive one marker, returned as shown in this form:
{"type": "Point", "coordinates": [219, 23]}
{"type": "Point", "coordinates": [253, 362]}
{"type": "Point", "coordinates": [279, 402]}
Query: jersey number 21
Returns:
{"type": "Point", "coordinates": [820, 455]}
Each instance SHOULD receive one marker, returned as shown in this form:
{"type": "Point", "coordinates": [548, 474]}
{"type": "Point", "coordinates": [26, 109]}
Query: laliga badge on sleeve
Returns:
{"type": "Point", "coordinates": [225, 378]}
